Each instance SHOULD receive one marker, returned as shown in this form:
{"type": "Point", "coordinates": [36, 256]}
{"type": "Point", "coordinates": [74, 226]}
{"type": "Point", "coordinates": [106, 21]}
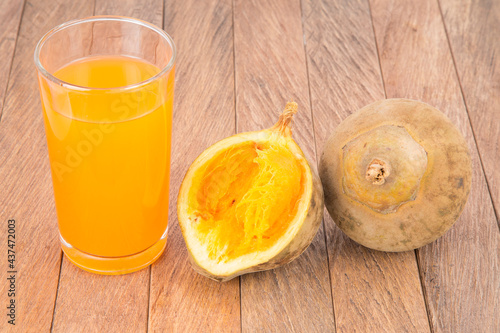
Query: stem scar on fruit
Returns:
{"type": "Point", "coordinates": [377, 171]}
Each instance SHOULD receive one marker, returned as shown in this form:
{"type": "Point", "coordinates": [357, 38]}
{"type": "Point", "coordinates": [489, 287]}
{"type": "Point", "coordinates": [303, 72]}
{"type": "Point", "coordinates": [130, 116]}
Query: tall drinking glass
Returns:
{"type": "Point", "coordinates": [107, 88]}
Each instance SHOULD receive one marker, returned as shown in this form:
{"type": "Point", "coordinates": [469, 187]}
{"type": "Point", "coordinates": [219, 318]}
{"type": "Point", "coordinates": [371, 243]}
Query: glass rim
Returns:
{"type": "Point", "coordinates": [98, 18]}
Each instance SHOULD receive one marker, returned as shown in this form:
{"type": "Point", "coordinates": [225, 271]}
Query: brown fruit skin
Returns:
{"type": "Point", "coordinates": [444, 187]}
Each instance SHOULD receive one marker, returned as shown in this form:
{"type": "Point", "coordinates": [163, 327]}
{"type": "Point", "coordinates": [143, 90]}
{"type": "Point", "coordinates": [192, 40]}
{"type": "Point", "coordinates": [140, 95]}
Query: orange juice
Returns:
{"type": "Point", "coordinates": [110, 159]}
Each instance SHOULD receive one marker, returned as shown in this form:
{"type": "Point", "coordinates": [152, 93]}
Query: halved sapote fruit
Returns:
{"type": "Point", "coordinates": [250, 202]}
{"type": "Point", "coordinates": [396, 175]}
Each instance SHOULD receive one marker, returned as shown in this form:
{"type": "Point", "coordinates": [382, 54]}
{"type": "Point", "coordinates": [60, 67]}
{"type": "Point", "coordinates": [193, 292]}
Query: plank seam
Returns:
{"type": "Point", "coordinates": [12, 61]}
{"type": "Point", "coordinates": [308, 83]}
{"type": "Point", "coordinates": [376, 47]}
{"type": "Point", "coordinates": [234, 79]}
{"type": "Point", "coordinates": [304, 43]}
{"type": "Point", "coordinates": [468, 115]}
{"type": "Point", "coordinates": [424, 290]}
{"type": "Point", "coordinates": [149, 299]}
{"type": "Point", "coordinates": [150, 266]}
{"type": "Point", "coordinates": [235, 131]}
{"type": "Point", "coordinates": [61, 255]}
{"type": "Point", "coordinates": [241, 314]}
{"type": "Point", "coordinates": [163, 15]}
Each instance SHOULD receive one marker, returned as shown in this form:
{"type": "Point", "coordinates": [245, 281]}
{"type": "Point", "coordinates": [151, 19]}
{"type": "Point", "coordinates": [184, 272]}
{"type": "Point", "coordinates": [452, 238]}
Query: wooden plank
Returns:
{"type": "Point", "coordinates": [473, 28]}
{"type": "Point", "coordinates": [461, 270]}
{"type": "Point", "coordinates": [181, 300]}
{"type": "Point", "coordinates": [372, 291]}
{"type": "Point", "coordinates": [26, 192]}
{"type": "Point", "coordinates": [271, 69]}
{"type": "Point", "coordinates": [106, 303]}
{"type": "Point", "coordinates": [147, 10]}
{"type": "Point", "coordinates": [89, 302]}
{"type": "Point", "coordinates": [10, 17]}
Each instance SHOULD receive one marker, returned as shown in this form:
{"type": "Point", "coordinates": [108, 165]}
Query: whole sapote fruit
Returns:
{"type": "Point", "coordinates": [396, 175]}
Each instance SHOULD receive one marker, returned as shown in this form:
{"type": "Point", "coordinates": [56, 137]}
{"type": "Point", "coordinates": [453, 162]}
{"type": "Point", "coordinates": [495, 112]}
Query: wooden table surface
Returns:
{"type": "Point", "coordinates": [238, 62]}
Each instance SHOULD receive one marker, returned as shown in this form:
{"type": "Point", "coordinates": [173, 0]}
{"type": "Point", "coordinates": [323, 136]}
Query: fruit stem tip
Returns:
{"type": "Point", "coordinates": [283, 124]}
{"type": "Point", "coordinates": [290, 109]}
{"type": "Point", "coordinates": [377, 171]}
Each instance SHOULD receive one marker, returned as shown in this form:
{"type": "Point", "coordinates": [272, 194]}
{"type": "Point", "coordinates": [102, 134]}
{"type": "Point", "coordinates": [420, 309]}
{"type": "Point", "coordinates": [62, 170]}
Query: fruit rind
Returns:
{"type": "Point", "coordinates": [443, 189]}
{"type": "Point", "coordinates": [299, 238]}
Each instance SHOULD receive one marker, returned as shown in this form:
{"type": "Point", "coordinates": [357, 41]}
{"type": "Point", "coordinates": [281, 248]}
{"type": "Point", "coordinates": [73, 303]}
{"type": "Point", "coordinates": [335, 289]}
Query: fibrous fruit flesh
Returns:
{"type": "Point", "coordinates": [250, 202]}
{"type": "Point", "coordinates": [396, 175]}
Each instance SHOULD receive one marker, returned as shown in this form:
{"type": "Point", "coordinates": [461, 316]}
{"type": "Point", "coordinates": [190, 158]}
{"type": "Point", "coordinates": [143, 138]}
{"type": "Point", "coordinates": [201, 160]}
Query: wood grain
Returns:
{"type": "Point", "coordinates": [270, 70]}
{"type": "Point", "coordinates": [461, 270]}
{"type": "Point", "coordinates": [372, 291]}
{"type": "Point", "coordinates": [106, 303]}
{"type": "Point", "coordinates": [10, 16]}
{"type": "Point", "coordinates": [26, 192]}
{"type": "Point", "coordinates": [473, 29]}
{"type": "Point", "coordinates": [181, 300]}
{"type": "Point", "coordinates": [89, 302]}
{"type": "Point", "coordinates": [452, 65]}
{"type": "Point", "coordinates": [147, 10]}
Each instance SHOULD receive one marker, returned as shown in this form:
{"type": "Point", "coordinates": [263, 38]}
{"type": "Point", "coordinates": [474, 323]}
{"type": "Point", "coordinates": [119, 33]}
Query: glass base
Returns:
{"type": "Point", "coordinates": [114, 265]}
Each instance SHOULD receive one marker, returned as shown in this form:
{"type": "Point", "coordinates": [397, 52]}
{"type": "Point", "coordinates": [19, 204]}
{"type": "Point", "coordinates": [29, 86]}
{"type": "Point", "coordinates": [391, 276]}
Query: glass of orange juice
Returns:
{"type": "Point", "coordinates": [107, 88]}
